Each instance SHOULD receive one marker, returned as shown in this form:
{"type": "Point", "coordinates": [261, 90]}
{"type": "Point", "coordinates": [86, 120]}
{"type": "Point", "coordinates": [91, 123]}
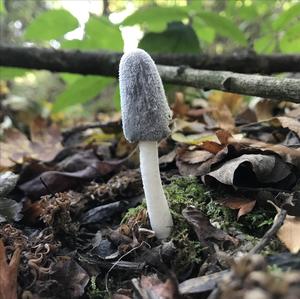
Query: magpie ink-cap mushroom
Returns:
{"type": "Point", "coordinates": [145, 117]}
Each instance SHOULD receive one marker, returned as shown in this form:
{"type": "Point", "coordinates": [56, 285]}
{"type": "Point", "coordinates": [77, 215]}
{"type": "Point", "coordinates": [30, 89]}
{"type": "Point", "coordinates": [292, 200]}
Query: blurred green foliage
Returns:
{"type": "Point", "coordinates": [173, 26]}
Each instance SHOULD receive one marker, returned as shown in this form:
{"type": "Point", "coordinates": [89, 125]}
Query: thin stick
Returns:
{"type": "Point", "coordinates": [270, 233]}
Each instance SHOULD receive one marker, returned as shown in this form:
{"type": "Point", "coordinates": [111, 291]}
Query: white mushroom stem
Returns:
{"type": "Point", "coordinates": [157, 205]}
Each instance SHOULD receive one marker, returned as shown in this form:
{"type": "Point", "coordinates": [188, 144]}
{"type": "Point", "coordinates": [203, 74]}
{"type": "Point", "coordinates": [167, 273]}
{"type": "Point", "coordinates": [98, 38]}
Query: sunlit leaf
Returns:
{"type": "Point", "coordinates": [177, 38]}
{"type": "Point", "coordinates": [155, 18]}
{"type": "Point", "coordinates": [116, 99]}
{"type": "Point", "coordinates": [81, 91]}
{"type": "Point", "coordinates": [203, 31]}
{"type": "Point", "coordinates": [248, 13]}
{"type": "Point", "coordinates": [8, 73]}
{"type": "Point", "coordinates": [288, 45]}
{"type": "Point", "coordinates": [2, 7]}
{"type": "Point", "coordinates": [102, 34]}
{"type": "Point", "coordinates": [223, 26]}
{"type": "Point", "coordinates": [265, 44]}
{"type": "Point", "coordinates": [286, 16]}
{"type": "Point", "coordinates": [51, 24]}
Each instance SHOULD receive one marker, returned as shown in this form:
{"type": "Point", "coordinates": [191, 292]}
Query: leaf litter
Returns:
{"type": "Point", "coordinates": [74, 225]}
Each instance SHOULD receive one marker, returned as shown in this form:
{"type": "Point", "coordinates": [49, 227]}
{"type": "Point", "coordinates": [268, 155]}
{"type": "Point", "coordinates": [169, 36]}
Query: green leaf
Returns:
{"type": "Point", "coordinates": [293, 31]}
{"type": "Point", "coordinates": [223, 26]}
{"type": "Point", "coordinates": [8, 73]}
{"type": "Point", "coordinates": [100, 33]}
{"type": "Point", "coordinates": [2, 7]}
{"type": "Point", "coordinates": [116, 99]}
{"type": "Point", "coordinates": [288, 45]}
{"type": "Point", "coordinates": [286, 16]}
{"type": "Point", "coordinates": [52, 24]}
{"type": "Point", "coordinates": [204, 32]}
{"type": "Point", "coordinates": [248, 13]}
{"type": "Point", "coordinates": [177, 38]}
{"type": "Point", "coordinates": [70, 78]}
{"type": "Point", "coordinates": [265, 44]}
{"type": "Point", "coordinates": [81, 91]}
{"type": "Point", "coordinates": [155, 18]}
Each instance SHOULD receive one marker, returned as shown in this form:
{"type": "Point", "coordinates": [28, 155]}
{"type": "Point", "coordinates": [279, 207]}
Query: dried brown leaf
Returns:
{"type": "Point", "coordinates": [289, 233]}
{"type": "Point", "coordinates": [8, 273]}
{"type": "Point", "coordinates": [203, 228]}
{"type": "Point", "coordinates": [44, 145]}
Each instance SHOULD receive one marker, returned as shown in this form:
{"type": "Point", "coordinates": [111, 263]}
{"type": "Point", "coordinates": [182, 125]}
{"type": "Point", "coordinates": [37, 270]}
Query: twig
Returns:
{"type": "Point", "coordinates": [106, 64]}
{"type": "Point", "coordinates": [116, 263]}
{"type": "Point", "coordinates": [270, 233]}
{"type": "Point", "coordinates": [255, 85]}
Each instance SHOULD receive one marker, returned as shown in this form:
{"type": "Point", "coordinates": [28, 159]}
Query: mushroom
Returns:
{"type": "Point", "coordinates": [145, 117]}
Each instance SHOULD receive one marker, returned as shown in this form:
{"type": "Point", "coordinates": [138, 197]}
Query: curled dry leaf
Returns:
{"type": "Point", "coordinates": [252, 170]}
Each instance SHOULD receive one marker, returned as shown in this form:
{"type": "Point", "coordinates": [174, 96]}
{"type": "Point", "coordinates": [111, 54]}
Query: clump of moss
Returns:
{"type": "Point", "coordinates": [187, 191]}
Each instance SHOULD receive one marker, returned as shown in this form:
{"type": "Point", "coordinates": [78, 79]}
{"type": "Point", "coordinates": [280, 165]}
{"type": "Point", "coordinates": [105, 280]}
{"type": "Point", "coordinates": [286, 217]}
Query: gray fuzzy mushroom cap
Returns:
{"type": "Point", "coordinates": [145, 111]}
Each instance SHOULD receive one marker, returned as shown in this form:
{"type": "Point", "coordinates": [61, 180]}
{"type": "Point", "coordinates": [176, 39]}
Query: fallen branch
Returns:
{"type": "Point", "coordinates": [255, 85]}
{"type": "Point", "coordinates": [106, 64]}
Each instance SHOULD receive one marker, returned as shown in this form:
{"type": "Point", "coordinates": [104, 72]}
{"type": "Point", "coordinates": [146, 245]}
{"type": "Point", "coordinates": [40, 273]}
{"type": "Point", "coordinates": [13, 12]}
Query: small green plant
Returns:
{"type": "Point", "coordinates": [93, 291]}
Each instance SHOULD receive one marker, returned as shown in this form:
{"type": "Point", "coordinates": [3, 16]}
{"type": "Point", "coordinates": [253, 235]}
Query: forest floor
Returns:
{"type": "Point", "coordinates": [73, 223]}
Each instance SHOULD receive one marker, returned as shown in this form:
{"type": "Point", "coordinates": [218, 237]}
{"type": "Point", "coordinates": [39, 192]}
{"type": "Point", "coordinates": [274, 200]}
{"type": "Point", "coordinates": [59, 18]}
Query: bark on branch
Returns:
{"type": "Point", "coordinates": [106, 64]}
{"type": "Point", "coordinates": [255, 85]}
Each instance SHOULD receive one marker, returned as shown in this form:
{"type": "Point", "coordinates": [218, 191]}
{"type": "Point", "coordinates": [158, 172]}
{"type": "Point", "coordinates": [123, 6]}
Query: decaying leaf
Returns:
{"type": "Point", "coordinates": [8, 181]}
{"type": "Point", "coordinates": [234, 102]}
{"type": "Point", "coordinates": [244, 205]}
{"type": "Point", "coordinates": [150, 287]}
{"type": "Point", "coordinates": [9, 209]}
{"type": "Point", "coordinates": [289, 233]}
{"type": "Point", "coordinates": [203, 228]}
{"type": "Point", "coordinates": [253, 170]}
{"type": "Point", "coordinates": [286, 122]}
{"type": "Point", "coordinates": [45, 143]}
{"type": "Point", "coordinates": [8, 273]}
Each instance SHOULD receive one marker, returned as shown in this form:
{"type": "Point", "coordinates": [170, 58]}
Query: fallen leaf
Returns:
{"type": "Point", "coordinates": [58, 181]}
{"type": "Point", "coordinates": [203, 228]}
{"type": "Point", "coordinates": [181, 125]}
{"type": "Point", "coordinates": [10, 210]}
{"type": "Point", "coordinates": [44, 145]}
{"type": "Point", "coordinates": [150, 287]}
{"type": "Point", "coordinates": [289, 233]}
{"type": "Point", "coordinates": [243, 204]}
{"type": "Point", "coordinates": [179, 108]}
{"type": "Point", "coordinates": [224, 118]}
{"type": "Point", "coordinates": [195, 156]}
{"type": "Point", "coordinates": [264, 109]}
{"type": "Point", "coordinates": [286, 122]}
{"type": "Point", "coordinates": [253, 170]}
{"type": "Point", "coordinates": [8, 273]}
{"type": "Point", "coordinates": [234, 102]}
{"type": "Point", "coordinates": [8, 181]}
{"type": "Point", "coordinates": [194, 139]}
